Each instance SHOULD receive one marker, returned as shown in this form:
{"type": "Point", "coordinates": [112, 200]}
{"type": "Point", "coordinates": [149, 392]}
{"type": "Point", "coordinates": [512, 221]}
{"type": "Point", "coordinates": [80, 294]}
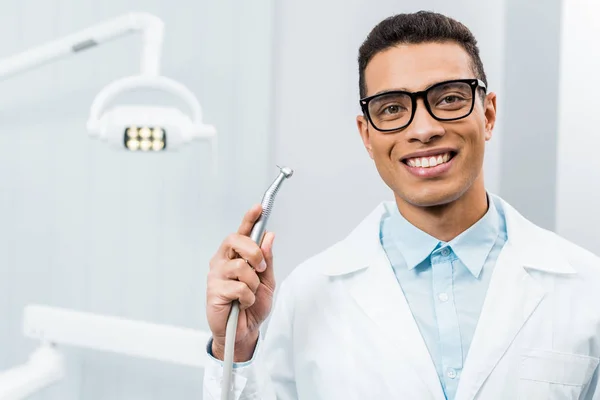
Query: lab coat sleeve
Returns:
{"type": "Point", "coordinates": [269, 375]}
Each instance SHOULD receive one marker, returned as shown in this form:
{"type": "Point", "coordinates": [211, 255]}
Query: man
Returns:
{"type": "Point", "coordinates": [446, 293]}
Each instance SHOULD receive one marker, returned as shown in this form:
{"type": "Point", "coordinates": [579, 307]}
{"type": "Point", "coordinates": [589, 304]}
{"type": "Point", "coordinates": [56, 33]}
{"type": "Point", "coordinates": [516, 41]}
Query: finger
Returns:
{"type": "Point", "coordinates": [239, 246]}
{"type": "Point", "coordinates": [229, 291]}
{"type": "Point", "coordinates": [267, 276]}
{"type": "Point", "coordinates": [241, 271]}
{"type": "Point", "coordinates": [249, 219]}
{"type": "Point", "coordinates": [267, 247]}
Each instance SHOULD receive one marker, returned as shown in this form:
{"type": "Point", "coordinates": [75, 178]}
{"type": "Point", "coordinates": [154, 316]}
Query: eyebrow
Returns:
{"type": "Point", "coordinates": [406, 90]}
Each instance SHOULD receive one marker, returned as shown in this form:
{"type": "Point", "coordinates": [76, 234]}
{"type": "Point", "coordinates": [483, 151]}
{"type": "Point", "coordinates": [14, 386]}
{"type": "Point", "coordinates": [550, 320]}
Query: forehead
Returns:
{"type": "Point", "coordinates": [415, 67]}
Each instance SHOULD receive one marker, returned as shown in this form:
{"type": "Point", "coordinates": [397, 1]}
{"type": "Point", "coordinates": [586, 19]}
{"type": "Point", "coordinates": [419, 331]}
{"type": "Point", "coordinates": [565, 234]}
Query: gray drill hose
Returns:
{"type": "Point", "coordinates": [257, 235]}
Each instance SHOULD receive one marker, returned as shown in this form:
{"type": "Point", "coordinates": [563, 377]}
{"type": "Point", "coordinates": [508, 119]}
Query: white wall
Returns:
{"type": "Point", "coordinates": [532, 54]}
{"type": "Point", "coordinates": [316, 92]}
{"type": "Point", "coordinates": [87, 228]}
{"type": "Point", "coordinates": [578, 189]}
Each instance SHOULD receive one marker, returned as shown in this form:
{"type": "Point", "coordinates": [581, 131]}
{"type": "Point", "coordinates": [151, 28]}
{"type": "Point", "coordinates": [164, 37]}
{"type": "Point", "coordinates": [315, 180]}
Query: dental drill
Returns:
{"type": "Point", "coordinates": [257, 235]}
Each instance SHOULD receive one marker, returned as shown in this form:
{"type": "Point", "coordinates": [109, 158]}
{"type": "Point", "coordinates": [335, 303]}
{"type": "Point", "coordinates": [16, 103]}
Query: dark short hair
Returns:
{"type": "Point", "coordinates": [416, 28]}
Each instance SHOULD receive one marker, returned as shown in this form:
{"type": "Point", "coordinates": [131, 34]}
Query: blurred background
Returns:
{"type": "Point", "coordinates": [88, 228]}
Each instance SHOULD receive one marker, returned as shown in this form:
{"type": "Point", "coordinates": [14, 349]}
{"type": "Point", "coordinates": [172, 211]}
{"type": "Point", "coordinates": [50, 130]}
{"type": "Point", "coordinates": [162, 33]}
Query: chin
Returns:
{"type": "Point", "coordinates": [430, 198]}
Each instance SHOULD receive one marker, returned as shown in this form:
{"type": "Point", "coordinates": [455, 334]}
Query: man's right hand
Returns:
{"type": "Point", "coordinates": [240, 270]}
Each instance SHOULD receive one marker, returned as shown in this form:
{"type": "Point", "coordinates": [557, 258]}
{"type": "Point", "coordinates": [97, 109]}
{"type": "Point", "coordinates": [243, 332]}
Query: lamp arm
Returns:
{"type": "Point", "coordinates": [150, 26]}
{"type": "Point", "coordinates": [44, 367]}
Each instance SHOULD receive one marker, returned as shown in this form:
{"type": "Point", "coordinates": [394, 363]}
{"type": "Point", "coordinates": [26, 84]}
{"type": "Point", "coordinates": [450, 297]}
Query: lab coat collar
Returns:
{"type": "Point", "coordinates": [360, 247]}
{"type": "Point", "coordinates": [535, 247]}
{"type": "Point", "coordinates": [363, 269]}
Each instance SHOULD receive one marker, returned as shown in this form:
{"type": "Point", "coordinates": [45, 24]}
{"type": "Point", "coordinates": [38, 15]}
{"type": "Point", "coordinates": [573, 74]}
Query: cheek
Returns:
{"type": "Point", "coordinates": [382, 149]}
{"type": "Point", "coordinates": [383, 157]}
{"type": "Point", "coordinates": [473, 152]}
{"type": "Point", "coordinates": [473, 133]}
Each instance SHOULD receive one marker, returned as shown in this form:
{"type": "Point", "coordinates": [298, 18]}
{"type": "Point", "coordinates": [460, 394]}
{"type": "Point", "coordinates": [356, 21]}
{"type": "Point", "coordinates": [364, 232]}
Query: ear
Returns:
{"type": "Point", "coordinates": [363, 130]}
{"type": "Point", "coordinates": [490, 114]}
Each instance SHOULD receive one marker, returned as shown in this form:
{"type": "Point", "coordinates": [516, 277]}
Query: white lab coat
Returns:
{"type": "Point", "coordinates": [341, 327]}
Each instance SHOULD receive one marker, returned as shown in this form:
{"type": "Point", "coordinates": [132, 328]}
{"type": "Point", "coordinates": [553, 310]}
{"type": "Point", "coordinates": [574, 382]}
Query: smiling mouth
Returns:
{"type": "Point", "coordinates": [429, 161]}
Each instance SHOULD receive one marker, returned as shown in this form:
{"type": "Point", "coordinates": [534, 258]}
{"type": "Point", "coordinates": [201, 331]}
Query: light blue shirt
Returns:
{"type": "Point", "coordinates": [445, 284]}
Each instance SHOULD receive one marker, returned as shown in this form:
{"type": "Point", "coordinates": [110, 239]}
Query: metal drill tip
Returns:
{"type": "Point", "coordinates": [286, 171]}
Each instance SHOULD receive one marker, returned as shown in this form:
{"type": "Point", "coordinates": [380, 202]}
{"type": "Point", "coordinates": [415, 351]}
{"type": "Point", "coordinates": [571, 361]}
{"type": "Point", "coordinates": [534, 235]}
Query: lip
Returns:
{"type": "Point", "coordinates": [430, 172]}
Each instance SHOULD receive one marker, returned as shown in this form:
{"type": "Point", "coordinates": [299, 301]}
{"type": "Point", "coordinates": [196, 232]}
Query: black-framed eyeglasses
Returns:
{"type": "Point", "coordinates": [445, 101]}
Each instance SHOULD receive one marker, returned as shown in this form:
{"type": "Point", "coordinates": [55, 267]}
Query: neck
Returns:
{"type": "Point", "coordinates": [447, 221]}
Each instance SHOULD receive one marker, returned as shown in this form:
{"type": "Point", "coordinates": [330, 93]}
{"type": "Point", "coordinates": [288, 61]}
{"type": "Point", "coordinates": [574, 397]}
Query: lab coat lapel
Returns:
{"type": "Point", "coordinates": [362, 266]}
{"type": "Point", "coordinates": [378, 293]}
{"type": "Point", "coordinates": [513, 295]}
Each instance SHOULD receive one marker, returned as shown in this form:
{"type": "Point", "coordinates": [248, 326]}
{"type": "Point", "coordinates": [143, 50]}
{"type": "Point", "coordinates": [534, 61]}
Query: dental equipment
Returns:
{"type": "Point", "coordinates": [129, 127]}
{"type": "Point", "coordinates": [56, 326]}
{"type": "Point", "coordinates": [257, 235]}
{"type": "Point", "coordinates": [44, 367]}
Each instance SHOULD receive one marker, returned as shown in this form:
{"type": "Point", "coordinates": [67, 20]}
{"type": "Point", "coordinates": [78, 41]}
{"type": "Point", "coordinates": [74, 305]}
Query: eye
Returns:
{"type": "Point", "coordinates": [392, 109]}
{"type": "Point", "coordinates": [450, 99]}
{"type": "Point", "coordinates": [390, 106]}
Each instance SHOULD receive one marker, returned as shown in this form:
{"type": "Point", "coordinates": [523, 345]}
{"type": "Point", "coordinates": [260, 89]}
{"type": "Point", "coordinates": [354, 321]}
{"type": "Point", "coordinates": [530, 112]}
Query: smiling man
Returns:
{"type": "Point", "coordinates": [445, 293]}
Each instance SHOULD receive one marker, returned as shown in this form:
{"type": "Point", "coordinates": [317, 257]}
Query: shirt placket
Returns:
{"type": "Point", "coordinates": [447, 319]}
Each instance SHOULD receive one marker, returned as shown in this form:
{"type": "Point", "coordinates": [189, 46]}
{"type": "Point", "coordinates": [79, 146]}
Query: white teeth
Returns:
{"type": "Point", "coordinates": [428, 162]}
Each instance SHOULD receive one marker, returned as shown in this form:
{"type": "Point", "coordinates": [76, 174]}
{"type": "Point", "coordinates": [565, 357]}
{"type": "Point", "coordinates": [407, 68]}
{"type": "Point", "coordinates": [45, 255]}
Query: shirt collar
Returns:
{"type": "Point", "coordinates": [472, 246]}
{"type": "Point", "coordinates": [414, 244]}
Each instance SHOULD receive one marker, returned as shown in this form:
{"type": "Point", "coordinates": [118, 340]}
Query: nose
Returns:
{"type": "Point", "coordinates": [424, 128]}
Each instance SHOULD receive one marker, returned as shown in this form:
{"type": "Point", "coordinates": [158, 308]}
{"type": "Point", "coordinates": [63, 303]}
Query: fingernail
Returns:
{"type": "Point", "coordinates": [262, 266]}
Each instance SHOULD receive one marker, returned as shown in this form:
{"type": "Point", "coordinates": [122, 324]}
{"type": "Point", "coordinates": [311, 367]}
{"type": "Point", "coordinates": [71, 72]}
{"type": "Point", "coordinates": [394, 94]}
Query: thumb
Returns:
{"type": "Point", "coordinates": [268, 275]}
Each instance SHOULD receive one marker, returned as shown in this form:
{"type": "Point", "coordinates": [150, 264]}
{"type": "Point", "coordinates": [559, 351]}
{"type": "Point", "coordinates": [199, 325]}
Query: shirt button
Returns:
{"type": "Point", "coordinates": [445, 251]}
{"type": "Point", "coordinates": [451, 373]}
{"type": "Point", "coordinates": [443, 297]}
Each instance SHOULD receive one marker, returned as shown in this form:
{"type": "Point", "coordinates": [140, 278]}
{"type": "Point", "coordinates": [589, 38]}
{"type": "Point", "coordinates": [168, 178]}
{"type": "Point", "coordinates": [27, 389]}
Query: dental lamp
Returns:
{"type": "Point", "coordinates": [130, 127]}
{"type": "Point", "coordinates": [55, 326]}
